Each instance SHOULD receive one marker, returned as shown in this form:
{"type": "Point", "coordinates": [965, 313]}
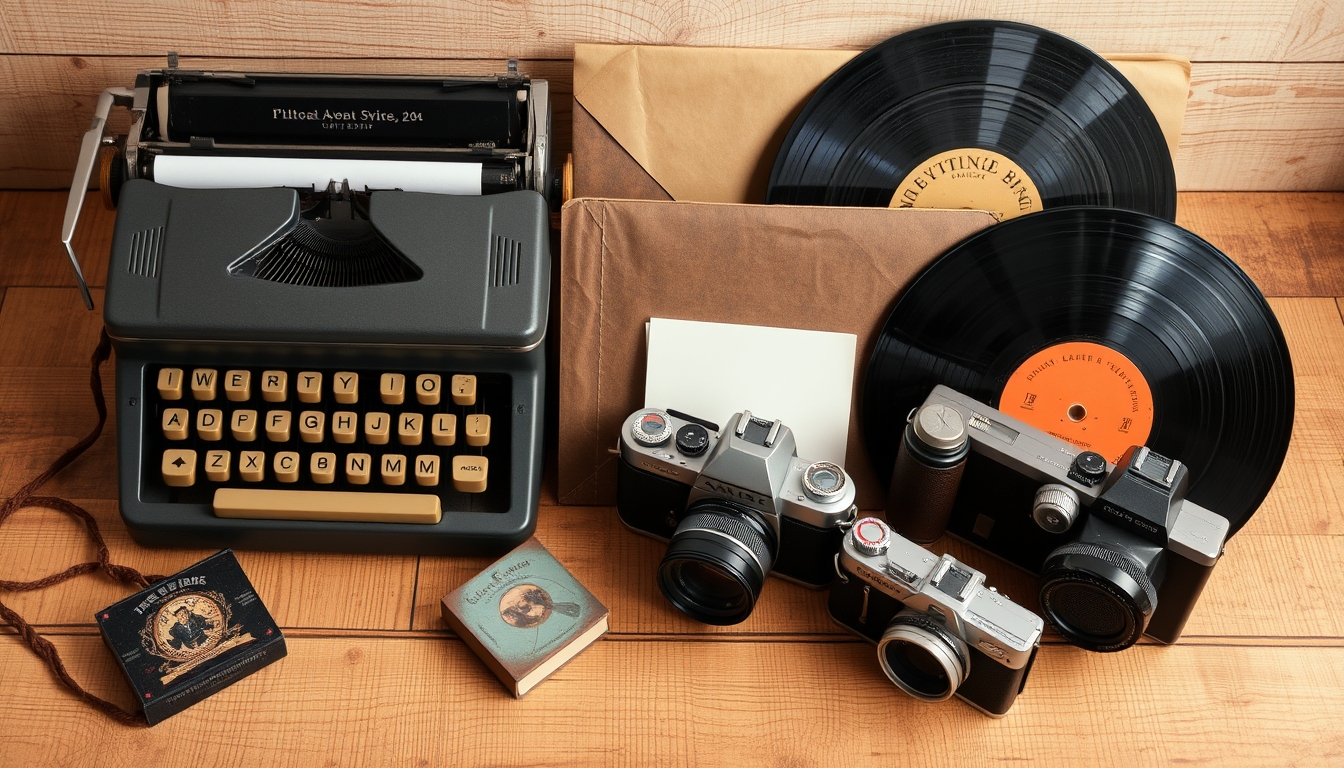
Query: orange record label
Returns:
{"type": "Point", "coordinates": [1083, 393]}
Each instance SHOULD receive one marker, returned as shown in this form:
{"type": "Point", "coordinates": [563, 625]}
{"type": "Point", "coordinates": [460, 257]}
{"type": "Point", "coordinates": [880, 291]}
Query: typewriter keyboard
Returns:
{"type": "Point", "coordinates": [332, 445]}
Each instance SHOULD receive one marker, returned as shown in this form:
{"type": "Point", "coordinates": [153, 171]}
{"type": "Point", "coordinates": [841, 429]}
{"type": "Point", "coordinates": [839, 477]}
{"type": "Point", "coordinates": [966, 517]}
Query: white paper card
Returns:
{"type": "Point", "coordinates": [713, 370]}
{"type": "Point", "coordinates": [221, 172]}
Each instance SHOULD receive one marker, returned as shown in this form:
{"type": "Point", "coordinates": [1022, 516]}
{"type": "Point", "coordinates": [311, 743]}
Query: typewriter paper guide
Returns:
{"type": "Point", "coordinates": [705, 124]}
{"type": "Point", "coordinates": [187, 292]}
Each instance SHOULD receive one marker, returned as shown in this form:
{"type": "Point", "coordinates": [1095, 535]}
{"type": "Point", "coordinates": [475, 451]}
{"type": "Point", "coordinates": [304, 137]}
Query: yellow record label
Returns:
{"type": "Point", "coordinates": [1083, 393]}
{"type": "Point", "coordinates": [977, 179]}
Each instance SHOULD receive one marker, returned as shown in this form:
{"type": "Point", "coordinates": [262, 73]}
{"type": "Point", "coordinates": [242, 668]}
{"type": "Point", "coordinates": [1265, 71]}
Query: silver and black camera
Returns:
{"type": "Point", "coordinates": [734, 505]}
{"type": "Point", "coordinates": [1121, 552]}
{"type": "Point", "coordinates": [939, 629]}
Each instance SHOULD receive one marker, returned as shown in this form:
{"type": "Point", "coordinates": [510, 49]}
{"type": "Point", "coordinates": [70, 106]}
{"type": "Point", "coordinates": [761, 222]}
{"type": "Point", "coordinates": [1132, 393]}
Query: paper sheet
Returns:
{"type": "Point", "coordinates": [223, 172]}
{"type": "Point", "coordinates": [713, 370]}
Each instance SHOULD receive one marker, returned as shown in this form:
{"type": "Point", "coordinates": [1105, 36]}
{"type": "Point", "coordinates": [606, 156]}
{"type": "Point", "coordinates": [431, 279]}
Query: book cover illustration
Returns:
{"type": "Point", "coordinates": [525, 615]}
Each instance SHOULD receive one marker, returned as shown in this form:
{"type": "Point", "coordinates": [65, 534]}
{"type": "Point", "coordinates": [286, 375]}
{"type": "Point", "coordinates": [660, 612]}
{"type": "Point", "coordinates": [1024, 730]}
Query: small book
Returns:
{"type": "Point", "coordinates": [525, 616]}
{"type": "Point", "coordinates": [191, 635]}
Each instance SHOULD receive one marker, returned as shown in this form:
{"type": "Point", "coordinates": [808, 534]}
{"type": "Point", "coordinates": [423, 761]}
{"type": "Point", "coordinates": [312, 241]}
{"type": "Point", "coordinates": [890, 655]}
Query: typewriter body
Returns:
{"type": "Point", "coordinates": [329, 337]}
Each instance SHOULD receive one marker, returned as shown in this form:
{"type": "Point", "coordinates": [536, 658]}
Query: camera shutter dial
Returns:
{"type": "Point", "coordinates": [652, 429]}
{"type": "Point", "coordinates": [1055, 508]}
{"type": "Point", "coordinates": [1089, 468]}
{"type": "Point", "coordinates": [871, 536]}
{"type": "Point", "coordinates": [823, 481]}
{"type": "Point", "coordinates": [692, 440]}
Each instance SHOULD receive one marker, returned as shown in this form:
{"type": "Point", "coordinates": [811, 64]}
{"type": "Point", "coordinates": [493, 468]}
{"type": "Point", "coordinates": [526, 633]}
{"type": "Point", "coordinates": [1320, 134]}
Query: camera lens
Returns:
{"type": "Point", "coordinates": [1097, 597]}
{"type": "Point", "coordinates": [922, 657]}
{"type": "Point", "coordinates": [716, 562]}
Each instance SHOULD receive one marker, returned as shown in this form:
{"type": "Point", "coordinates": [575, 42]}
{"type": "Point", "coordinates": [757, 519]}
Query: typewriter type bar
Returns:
{"type": "Point", "coordinates": [216, 130]}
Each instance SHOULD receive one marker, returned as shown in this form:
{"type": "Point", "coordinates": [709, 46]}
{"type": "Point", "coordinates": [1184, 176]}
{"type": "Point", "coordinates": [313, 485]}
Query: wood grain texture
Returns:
{"type": "Point", "coordinates": [1251, 30]}
{"type": "Point", "coordinates": [1248, 125]}
{"type": "Point", "coordinates": [430, 702]}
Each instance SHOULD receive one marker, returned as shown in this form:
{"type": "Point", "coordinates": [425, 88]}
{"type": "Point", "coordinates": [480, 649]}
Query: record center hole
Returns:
{"type": "Point", "coordinates": [1077, 412]}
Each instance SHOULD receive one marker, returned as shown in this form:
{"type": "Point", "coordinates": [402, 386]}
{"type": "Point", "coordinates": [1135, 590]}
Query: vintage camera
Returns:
{"type": "Point", "coordinates": [939, 630]}
{"type": "Point", "coordinates": [734, 506]}
{"type": "Point", "coordinates": [1120, 551]}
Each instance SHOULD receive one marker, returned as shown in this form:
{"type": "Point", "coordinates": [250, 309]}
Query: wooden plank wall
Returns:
{"type": "Point", "coordinates": [1266, 110]}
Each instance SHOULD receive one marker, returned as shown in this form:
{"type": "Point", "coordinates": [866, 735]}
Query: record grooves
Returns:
{"type": "Point", "coordinates": [1203, 339]}
{"type": "Point", "coordinates": [1048, 109]}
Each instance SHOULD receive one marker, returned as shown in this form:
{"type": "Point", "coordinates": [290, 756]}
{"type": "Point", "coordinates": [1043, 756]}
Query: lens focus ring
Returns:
{"type": "Point", "coordinates": [1090, 607]}
{"type": "Point", "coordinates": [734, 529]}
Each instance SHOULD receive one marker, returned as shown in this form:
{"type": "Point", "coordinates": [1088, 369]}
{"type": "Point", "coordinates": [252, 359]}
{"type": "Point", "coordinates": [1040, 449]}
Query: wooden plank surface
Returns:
{"type": "Point", "coordinates": [1248, 30]}
{"type": "Point", "coordinates": [428, 702]}
{"type": "Point", "coordinates": [1249, 125]}
{"type": "Point", "coordinates": [374, 676]}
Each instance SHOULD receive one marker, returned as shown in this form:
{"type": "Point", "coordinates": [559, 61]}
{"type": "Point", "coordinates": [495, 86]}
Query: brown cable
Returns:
{"type": "Point", "coordinates": [24, 498]}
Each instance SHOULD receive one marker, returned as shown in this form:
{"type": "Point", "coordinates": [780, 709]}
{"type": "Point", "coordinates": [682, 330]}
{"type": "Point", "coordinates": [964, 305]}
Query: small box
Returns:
{"type": "Point", "coordinates": [190, 635]}
{"type": "Point", "coordinates": [525, 616]}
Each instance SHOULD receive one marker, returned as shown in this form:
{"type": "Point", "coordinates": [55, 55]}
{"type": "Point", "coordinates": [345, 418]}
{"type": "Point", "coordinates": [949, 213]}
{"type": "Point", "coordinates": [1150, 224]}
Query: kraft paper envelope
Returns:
{"type": "Point", "coordinates": [812, 268]}
{"type": "Point", "coordinates": [705, 124]}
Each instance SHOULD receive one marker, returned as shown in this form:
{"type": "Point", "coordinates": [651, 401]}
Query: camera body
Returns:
{"type": "Point", "coordinates": [743, 485]}
{"type": "Point", "coordinates": [941, 616]}
{"type": "Point", "coordinates": [1120, 550]}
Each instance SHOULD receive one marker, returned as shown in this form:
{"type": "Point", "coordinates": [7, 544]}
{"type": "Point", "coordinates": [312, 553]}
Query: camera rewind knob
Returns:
{"type": "Point", "coordinates": [1055, 508]}
{"type": "Point", "coordinates": [871, 536]}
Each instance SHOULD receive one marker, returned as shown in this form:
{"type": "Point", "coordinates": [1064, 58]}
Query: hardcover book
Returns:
{"type": "Point", "coordinates": [525, 616]}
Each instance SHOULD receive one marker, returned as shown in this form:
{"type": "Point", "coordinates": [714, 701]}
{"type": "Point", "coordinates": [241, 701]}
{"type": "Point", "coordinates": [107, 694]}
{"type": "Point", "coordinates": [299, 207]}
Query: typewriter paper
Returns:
{"type": "Point", "coordinates": [215, 172]}
{"type": "Point", "coordinates": [713, 370]}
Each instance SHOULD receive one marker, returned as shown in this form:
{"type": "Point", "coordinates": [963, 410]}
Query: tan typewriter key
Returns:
{"type": "Point", "coordinates": [393, 469]}
{"type": "Point", "coordinates": [357, 466]}
{"type": "Point", "coordinates": [464, 390]}
{"type": "Point", "coordinates": [244, 426]}
{"type": "Point", "coordinates": [392, 388]}
{"type": "Point", "coordinates": [175, 423]}
{"type": "Point", "coordinates": [427, 388]}
{"type": "Point", "coordinates": [311, 425]}
{"type": "Point", "coordinates": [309, 387]}
{"type": "Point", "coordinates": [179, 468]}
{"type": "Point", "coordinates": [287, 467]}
{"type": "Point", "coordinates": [170, 383]}
{"type": "Point", "coordinates": [203, 382]}
{"type": "Point", "coordinates": [444, 429]}
{"type": "Point", "coordinates": [274, 386]}
{"type": "Point", "coordinates": [427, 470]}
{"type": "Point", "coordinates": [277, 426]}
{"type": "Point", "coordinates": [237, 385]}
{"type": "Point", "coordinates": [252, 466]}
{"type": "Point", "coordinates": [376, 427]}
{"type": "Point", "coordinates": [345, 386]}
{"type": "Point", "coordinates": [410, 427]}
{"type": "Point", "coordinates": [323, 468]}
{"type": "Point", "coordinates": [217, 466]}
{"type": "Point", "coordinates": [477, 428]}
{"type": "Point", "coordinates": [343, 426]}
{"type": "Point", "coordinates": [210, 424]}
{"type": "Point", "coordinates": [469, 473]}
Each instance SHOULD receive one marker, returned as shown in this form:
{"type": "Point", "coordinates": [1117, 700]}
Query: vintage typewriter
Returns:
{"type": "Point", "coordinates": [328, 298]}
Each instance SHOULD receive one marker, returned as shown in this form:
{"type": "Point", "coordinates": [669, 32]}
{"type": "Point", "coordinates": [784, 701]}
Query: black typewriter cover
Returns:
{"type": "Point", "coordinates": [457, 271]}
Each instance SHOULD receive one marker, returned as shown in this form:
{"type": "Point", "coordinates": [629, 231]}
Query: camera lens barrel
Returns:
{"type": "Point", "coordinates": [923, 657]}
{"type": "Point", "coordinates": [716, 562]}
{"type": "Point", "coordinates": [1098, 598]}
{"type": "Point", "coordinates": [927, 473]}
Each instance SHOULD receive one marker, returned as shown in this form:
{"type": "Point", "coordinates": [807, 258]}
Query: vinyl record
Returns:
{"type": "Point", "coordinates": [994, 115]}
{"type": "Point", "coordinates": [1107, 328]}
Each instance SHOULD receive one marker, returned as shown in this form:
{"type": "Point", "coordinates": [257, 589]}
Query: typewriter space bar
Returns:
{"type": "Point", "coordinates": [331, 506]}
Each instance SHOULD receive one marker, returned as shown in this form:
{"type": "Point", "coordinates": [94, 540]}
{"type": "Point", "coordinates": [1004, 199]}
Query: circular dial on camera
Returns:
{"type": "Point", "coordinates": [692, 440]}
{"type": "Point", "coordinates": [1055, 507]}
{"type": "Point", "coordinates": [652, 429]}
{"type": "Point", "coordinates": [1089, 467]}
{"type": "Point", "coordinates": [940, 427]}
{"type": "Point", "coordinates": [823, 481]}
{"type": "Point", "coordinates": [871, 536]}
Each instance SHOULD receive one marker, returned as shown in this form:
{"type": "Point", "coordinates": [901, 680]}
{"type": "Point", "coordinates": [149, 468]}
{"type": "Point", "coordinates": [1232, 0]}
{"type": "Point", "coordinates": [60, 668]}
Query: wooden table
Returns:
{"type": "Point", "coordinates": [374, 677]}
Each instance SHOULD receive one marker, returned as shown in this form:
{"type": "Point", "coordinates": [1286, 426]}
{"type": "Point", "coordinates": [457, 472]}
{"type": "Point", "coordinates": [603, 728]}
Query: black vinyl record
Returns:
{"type": "Point", "coordinates": [1154, 319]}
{"type": "Point", "coordinates": [915, 109]}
